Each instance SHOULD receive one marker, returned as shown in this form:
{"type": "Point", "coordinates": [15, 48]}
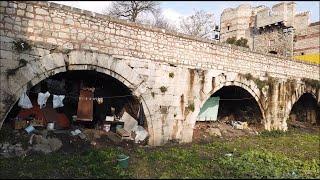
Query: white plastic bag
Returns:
{"type": "Point", "coordinates": [58, 101]}
{"type": "Point", "coordinates": [24, 101]}
{"type": "Point", "coordinates": [42, 99]}
{"type": "Point", "coordinates": [141, 134]}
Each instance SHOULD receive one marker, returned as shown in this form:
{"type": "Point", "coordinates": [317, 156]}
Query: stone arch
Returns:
{"type": "Point", "coordinates": [222, 81]}
{"type": "Point", "coordinates": [303, 89]}
{"type": "Point", "coordinates": [241, 85]}
{"type": "Point", "coordinates": [55, 63]}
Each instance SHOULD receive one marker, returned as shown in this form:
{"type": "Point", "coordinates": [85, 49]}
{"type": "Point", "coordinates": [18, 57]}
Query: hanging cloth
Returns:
{"type": "Point", "coordinates": [100, 100]}
{"type": "Point", "coordinates": [141, 115]}
{"type": "Point", "coordinates": [24, 101]}
{"type": "Point", "coordinates": [42, 99]}
{"type": "Point", "coordinates": [58, 101]}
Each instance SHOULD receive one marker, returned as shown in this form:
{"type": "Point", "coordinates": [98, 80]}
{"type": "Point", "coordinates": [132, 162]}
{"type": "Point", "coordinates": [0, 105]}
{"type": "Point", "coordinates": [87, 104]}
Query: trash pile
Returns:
{"type": "Point", "coordinates": [124, 128]}
{"type": "Point", "coordinates": [227, 129]}
{"type": "Point", "coordinates": [42, 134]}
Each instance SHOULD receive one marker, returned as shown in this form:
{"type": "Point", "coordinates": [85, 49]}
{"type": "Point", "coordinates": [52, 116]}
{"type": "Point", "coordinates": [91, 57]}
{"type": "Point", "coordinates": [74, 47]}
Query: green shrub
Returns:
{"type": "Point", "coordinates": [163, 89]}
{"type": "Point", "coordinates": [191, 106]}
{"type": "Point", "coordinates": [21, 45]}
{"type": "Point", "coordinates": [262, 164]}
{"type": "Point", "coordinates": [171, 75]}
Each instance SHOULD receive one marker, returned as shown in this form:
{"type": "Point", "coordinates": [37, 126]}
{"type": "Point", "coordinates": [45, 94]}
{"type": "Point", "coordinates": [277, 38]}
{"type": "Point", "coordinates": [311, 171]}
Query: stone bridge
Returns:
{"type": "Point", "coordinates": [64, 38]}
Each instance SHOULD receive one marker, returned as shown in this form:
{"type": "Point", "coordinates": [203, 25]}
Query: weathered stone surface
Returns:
{"type": "Point", "coordinates": [142, 58]}
{"type": "Point", "coordinates": [41, 11]}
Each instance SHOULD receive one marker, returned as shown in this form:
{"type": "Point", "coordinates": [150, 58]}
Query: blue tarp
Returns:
{"type": "Point", "coordinates": [209, 111]}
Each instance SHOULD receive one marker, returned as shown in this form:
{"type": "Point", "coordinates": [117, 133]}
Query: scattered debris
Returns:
{"type": "Point", "coordinates": [82, 136]}
{"type": "Point", "coordinates": [239, 125]}
{"type": "Point", "coordinates": [123, 133]}
{"type": "Point", "coordinates": [129, 122]}
{"type": "Point", "coordinates": [29, 129]}
{"type": "Point", "coordinates": [75, 132]}
{"type": "Point", "coordinates": [141, 134]}
{"type": "Point", "coordinates": [11, 150]}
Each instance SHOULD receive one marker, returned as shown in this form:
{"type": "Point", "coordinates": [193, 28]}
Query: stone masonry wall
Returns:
{"type": "Point", "coordinates": [273, 39]}
{"type": "Point", "coordinates": [308, 42]}
{"type": "Point", "coordinates": [78, 29]}
{"type": "Point", "coordinates": [199, 66]}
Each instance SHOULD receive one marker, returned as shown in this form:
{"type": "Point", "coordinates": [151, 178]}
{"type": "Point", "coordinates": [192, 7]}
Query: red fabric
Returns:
{"type": "Point", "coordinates": [59, 118]}
{"type": "Point", "coordinates": [24, 113]}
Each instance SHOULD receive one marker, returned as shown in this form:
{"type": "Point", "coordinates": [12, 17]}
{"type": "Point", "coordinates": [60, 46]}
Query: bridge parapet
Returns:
{"type": "Point", "coordinates": [61, 37]}
{"type": "Point", "coordinates": [73, 28]}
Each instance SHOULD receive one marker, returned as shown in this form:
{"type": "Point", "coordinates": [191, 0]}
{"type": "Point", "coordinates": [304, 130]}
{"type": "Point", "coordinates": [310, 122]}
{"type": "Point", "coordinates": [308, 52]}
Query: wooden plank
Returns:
{"type": "Point", "coordinates": [85, 105]}
{"type": "Point", "coordinates": [123, 133]}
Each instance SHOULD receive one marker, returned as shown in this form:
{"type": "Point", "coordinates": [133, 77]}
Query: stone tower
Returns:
{"type": "Point", "coordinates": [268, 30]}
{"type": "Point", "coordinates": [236, 22]}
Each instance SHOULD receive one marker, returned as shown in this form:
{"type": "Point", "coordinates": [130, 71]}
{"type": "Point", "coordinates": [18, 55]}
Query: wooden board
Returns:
{"type": "Point", "coordinates": [85, 106]}
{"type": "Point", "coordinates": [123, 133]}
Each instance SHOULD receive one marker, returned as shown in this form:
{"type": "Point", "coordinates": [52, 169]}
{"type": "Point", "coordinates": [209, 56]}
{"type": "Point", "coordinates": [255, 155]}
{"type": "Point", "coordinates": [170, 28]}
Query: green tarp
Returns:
{"type": "Point", "coordinates": [209, 111]}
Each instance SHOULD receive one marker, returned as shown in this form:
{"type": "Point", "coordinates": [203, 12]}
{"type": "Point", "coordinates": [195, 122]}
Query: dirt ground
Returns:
{"type": "Point", "coordinates": [96, 139]}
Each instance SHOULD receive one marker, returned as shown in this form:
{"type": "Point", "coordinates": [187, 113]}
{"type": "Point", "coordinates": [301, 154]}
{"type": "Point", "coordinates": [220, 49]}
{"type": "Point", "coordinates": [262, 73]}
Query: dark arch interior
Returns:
{"type": "Point", "coordinates": [71, 82]}
{"type": "Point", "coordinates": [306, 110]}
{"type": "Point", "coordinates": [237, 104]}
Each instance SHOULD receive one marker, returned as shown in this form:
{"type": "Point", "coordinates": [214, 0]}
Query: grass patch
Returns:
{"type": "Point", "coordinates": [293, 154]}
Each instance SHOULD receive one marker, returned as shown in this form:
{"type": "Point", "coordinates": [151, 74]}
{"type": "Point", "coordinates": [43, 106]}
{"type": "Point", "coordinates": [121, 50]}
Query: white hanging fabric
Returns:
{"type": "Point", "coordinates": [58, 101]}
{"type": "Point", "coordinates": [42, 99]}
{"type": "Point", "coordinates": [24, 101]}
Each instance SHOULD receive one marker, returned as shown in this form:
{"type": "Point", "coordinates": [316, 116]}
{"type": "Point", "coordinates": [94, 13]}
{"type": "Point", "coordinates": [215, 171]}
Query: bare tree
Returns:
{"type": "Point", "coordinates": [132, 9]}
{"type": "Point", "coordinates": [199, 24]}
{"type": "Point", "coordinates": [162, 22]}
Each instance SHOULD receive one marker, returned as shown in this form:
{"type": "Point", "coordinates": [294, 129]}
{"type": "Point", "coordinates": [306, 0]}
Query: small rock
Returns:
{"type": "Point", "coordinates": [215, 132]}
{"type": "Point", "coordinates": [82, 136]}
{"type": "Point", "coordinates": [55, 143]}
{"type": "Point", "coordinates": [45, 148]}
{"type": "Point", "coordinates": [93, 143]}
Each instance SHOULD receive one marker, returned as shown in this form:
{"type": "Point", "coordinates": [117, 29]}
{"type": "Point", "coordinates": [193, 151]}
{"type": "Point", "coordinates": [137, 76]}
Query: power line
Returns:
{"type": "Point", "coordinates": [79, 97]}
{"type": "Point", "coordinates": [236, 99]}
{"type": "Point", "coordinates": [130, 95]}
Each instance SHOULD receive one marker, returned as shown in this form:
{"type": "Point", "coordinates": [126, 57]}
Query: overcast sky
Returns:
{"type": "Point", "coordinates": [173, 10]}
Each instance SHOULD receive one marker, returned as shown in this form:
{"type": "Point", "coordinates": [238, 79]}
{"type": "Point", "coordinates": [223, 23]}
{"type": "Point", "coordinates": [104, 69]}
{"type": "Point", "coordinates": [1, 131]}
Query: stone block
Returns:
{"type": "Point", "coordinates": [42, 11]}
{"type": "Point", "coordinates": [20, 12]}
{"type": "Point", "coordinates": [29, 15]}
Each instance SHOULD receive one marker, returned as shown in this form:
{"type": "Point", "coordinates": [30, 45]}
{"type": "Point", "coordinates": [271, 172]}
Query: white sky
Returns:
{"type": "Point", "coordinates": [174, 10]}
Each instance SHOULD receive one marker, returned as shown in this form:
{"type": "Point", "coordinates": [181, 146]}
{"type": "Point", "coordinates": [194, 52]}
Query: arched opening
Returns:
{"type": "Point", "coordinates": [304, 112]}
{"type": "Point", "coordinates": [235, 109]}
{"type": "Point", "coordinates": [105, 97]}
